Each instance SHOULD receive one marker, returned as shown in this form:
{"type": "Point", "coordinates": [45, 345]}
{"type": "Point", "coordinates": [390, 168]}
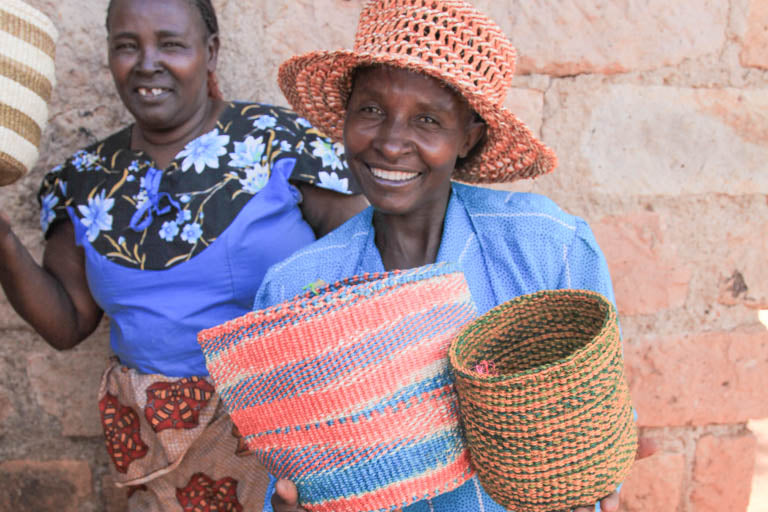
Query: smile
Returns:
{"type": "Point", "coordinates": [151, 92]}
{"type": "Point", "coordinates": [384, 174]}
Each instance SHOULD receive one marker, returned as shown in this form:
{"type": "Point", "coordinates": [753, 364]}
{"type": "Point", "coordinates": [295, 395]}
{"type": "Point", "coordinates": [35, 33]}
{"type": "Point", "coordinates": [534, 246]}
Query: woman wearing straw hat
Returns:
{"type": "Point", "coordinates": [418, 104]}
{"type": "Point", "coordinates": [151, 226]}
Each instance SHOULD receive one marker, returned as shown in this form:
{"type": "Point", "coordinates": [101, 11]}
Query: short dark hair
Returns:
{"type": "Point", "coordinates": [204, 7]}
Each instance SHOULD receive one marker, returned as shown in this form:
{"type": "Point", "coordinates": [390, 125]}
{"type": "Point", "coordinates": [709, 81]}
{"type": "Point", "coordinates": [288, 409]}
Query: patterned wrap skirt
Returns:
{"type": "Point", "coordinates": [173, 447]}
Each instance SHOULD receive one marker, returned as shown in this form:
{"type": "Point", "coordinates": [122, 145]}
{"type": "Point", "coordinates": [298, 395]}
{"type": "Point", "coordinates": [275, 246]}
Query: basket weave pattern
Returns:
{"type": "Point", "coordinates": [27, 50]}
{"type": "Point", "coordinates": [347, 392]}
{"type": "Point", "coordinates": [552, 427]}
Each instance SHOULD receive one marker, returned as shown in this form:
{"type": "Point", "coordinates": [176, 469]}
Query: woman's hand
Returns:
{"type": "Point", "coordinates": [286, 497]}
{"type": "Point", "coordinates": [645, 448]}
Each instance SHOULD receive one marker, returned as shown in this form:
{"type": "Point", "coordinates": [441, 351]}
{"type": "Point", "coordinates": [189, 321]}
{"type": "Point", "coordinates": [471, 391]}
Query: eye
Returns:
{"type": "Point", "coordinates": [428, 120]}
{"type": "Point", "coordinates": [124, 46]}
{"type": "Point", "coordinates": [173, 44]}
{"type": "Point", "coordinates": [371, 109]}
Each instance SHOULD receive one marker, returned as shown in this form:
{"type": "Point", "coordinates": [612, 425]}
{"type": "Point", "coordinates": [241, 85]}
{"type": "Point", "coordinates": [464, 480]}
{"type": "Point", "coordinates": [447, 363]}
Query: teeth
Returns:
{"type": "Point", "coordinates": [393, 175]}
{"type": "Point", "coordinates": [155, 91]}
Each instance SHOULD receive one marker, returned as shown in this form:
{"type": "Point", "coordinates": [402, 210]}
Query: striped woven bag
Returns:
{"type": "Point", "coordinates": [544, 400]}
{"type": "Point", "coordinates": [27, 49]}
{"type": "Point", "coordinates": [347, 391]}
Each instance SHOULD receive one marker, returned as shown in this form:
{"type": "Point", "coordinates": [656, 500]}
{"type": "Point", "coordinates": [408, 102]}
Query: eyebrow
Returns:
{"type": "Point", "coordinates": [160, 34]}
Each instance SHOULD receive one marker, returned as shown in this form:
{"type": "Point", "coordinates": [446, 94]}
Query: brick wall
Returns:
{"type": "Point", "coordinates": [658, 111]}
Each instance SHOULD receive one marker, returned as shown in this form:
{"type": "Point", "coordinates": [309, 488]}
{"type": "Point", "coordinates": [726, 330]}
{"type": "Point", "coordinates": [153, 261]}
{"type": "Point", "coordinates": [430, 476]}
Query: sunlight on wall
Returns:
{"type": "Point", "coordinates": [762, 315]}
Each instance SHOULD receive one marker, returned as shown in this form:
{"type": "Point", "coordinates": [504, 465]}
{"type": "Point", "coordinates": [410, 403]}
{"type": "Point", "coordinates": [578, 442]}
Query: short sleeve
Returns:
{"type": "Point", "coordinates": [585, 265]}
{"type": "Point", "coordinates": [52, 197]}
{"type": "Point", "coordinates": [319, 160]}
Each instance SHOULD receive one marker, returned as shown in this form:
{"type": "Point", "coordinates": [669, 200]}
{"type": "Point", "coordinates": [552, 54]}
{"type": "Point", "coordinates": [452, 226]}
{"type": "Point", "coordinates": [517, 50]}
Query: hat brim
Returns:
{"type": "Point", "coordinates": [318, 84]}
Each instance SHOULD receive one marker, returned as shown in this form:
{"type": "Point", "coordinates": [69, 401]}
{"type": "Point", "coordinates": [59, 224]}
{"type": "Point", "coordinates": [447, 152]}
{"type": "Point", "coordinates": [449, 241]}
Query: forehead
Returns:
{"type": "Point", "coordinates": [392, 82]}
{"type": "Point", "coordinates": [171, 15]}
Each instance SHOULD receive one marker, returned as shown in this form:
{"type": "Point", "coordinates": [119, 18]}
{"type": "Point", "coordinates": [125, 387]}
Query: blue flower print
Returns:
{"type": "Point", "coordinates": [58, 168]}
{"type": "Point", "coordinates": [169, 230]}
{"type": "Point", "coordinates": [96, 215]}
{"type": "Point", "coordinates": [328, 153]}
{"type": "Point", "coordinates": [331, 181]}
{"type": "Point", "coordinates": [256, 178]}
{"type": "Point", "coordinates": [134, 167]}
{"type": "Point", "coordinates": [247, 153]}
{"type": "Point", "coordinates": [185, 198]}
{"type": "Point", "coordinates": [204, 151]}
{"type": "Point", "coordinates": [183, 216]}
{"type": "Point", "coordinates": [47, 215]}
{"type": "Point", "coordinates": [63, 187]}
{"type": "Point", "coordinates": [121, 240]}
{"type": "Point", "coordinates": [303, 122]}
{"type": "Point", "coordinates": [300, 146]}
{"type": "Point", "coordinates": [264, 122]}
{"type": "Point", "coordinates": [84, 161]}
{"type": "Point", "coordinates": [285, 146]}
{"type": "Point", "coordinates": [191, 233]}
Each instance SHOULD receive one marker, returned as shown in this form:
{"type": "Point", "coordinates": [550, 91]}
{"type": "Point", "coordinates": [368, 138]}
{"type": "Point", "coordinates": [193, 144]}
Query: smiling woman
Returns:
{"type": "Point", "coordinates": [168, 227]}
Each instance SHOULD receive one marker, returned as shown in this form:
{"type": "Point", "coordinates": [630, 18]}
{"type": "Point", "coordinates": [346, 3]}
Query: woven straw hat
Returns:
{"type": "Point", "coordinates": [446, 39]}
{"type": "Point", "coordinates": [27, 49]}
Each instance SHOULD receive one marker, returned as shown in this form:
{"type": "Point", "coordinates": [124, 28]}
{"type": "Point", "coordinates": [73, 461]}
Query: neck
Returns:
{"type": "Point", "coordinates": [164, 145]}
{"type": "Point", "coordinates": [408, 241]}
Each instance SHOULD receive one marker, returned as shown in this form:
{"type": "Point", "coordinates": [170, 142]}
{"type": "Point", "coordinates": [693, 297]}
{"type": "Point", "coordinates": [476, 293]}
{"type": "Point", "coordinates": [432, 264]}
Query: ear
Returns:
{"type": "Point", "coordinates": [473, 135]}
{"type": "Point", "coordinates": [213, 52]}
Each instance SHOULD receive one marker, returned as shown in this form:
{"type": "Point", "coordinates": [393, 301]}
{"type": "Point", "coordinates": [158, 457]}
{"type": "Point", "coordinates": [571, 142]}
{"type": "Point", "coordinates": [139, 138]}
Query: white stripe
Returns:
{"type": "Point", "coordinates": [13, 144]}
{"type": "Point", "coordinates": [431, 507]}
{"type": "Point", "coordinates": [31, 15]}
{"type": "Point", "coordinates": [479, 496]}
{"type": "Point", "coordinates": [543, 215]}
{"type": "Point", "coordinates": [470, 240]}
{"type": "Point", "coordinates": [567, 267]}
{"type": "Point", "coordinates": [24, 100]}
{"type": "Point", "coordinates": [27, 54]}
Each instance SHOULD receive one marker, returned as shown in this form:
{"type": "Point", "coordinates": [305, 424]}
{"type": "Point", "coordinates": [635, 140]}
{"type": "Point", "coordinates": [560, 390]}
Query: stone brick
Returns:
{"type": "Point", "coordinates": [699, 379]}
{"type": "Point", "coordinates": [616, 36]}
{"type": "Point", "coordinates": [655, 483]}
{"type": "Point", "coordinates": [722, 473]}
{"type": "Point", "coordinates": [53, 486]}
{"type": "Point", "coordinates": [528, 106]}
{"type": "Point", "coordinates": [755, 40]}
{"type": "Point", "coordinates": [630, 140]}
{"type": "Point", "coordinates": [647, 274]}
{"type": "Point", "coordinates": [116, 498]}
{"type": "Point", "coordinates": [747, 284]}
{"type": "Point", "coordinates": [66, 385]}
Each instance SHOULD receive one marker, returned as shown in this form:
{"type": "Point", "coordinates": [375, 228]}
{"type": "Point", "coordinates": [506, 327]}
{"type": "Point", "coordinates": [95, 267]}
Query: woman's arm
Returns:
{"type": "Point", "coordinates": [325, 210]}
{"type": "Point", "coordinates": [53, 298]}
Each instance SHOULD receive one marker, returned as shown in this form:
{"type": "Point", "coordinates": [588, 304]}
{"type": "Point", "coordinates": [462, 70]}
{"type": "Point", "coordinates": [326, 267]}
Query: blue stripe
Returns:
{"type": "Point", "coordinates": [368, 469]}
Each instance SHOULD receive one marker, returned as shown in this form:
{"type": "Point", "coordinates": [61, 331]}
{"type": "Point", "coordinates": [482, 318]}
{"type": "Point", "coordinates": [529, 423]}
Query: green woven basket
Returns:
{"type": "Point", "coordinates": [544, 401]}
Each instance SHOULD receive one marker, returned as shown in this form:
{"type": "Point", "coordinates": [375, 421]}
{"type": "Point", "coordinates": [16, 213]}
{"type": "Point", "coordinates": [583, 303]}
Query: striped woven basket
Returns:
{"type": "Point", "coordinates": [27, 48]}
{"type": "Point", "coordinates": [544, 401]}
{"type": "Point", "coordinates": [347, 391]}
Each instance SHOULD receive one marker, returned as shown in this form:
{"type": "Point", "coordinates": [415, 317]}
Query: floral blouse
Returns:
{"type": "Point", "coordinates": [147, 218]}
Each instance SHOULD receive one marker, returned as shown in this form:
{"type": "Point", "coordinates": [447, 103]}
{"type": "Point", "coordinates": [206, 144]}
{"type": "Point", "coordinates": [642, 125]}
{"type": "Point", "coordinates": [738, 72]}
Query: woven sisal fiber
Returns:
{"type": "Point", "coordinates": [27, 49]}
{"type": "Point", "coordinates": [544, 401]}
{"type": "Point", "coordinates": [446, 39]}
{"type": "Point", "coordinates": [347, 391]}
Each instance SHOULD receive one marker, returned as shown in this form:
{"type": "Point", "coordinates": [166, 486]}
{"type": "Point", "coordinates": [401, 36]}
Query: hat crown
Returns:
{"type": "Point", "coordinates": [449, 37]}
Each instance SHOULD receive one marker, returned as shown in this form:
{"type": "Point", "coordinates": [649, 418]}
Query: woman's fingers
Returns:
{"type": "Point", "coordinates": [286, 497]}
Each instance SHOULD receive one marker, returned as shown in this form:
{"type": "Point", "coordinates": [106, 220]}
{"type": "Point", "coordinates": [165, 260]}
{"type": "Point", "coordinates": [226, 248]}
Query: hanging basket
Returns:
{"type": "Point", "coordinates": [27, 50]}
{"type": "Point", "coordinates": [544, 401]}
{"type": "Point", "coordinates": [347, 391]}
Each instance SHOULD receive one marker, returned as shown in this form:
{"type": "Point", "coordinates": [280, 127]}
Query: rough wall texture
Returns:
{"type": "Point", "coordinates": [658, 111]}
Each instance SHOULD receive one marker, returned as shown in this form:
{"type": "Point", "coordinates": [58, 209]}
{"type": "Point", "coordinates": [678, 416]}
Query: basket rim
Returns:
{"type": "Point", "coordinates": [544, 369]}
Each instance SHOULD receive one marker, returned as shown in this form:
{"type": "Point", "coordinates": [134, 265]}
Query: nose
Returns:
{"type": "Point", "coordinates": [393, 139]}
{"type": "Point", "coordinates": [148, 61]}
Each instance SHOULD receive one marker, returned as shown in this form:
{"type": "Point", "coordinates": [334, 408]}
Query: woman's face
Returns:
{"type": "Point", "coordinates": [160, 56]}
{"type": "Point", "coordinates": [402, 135]}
